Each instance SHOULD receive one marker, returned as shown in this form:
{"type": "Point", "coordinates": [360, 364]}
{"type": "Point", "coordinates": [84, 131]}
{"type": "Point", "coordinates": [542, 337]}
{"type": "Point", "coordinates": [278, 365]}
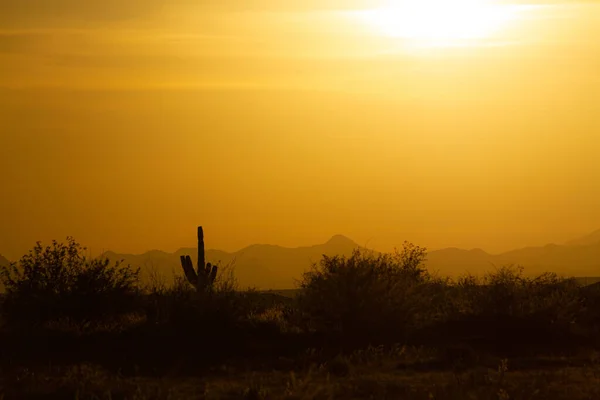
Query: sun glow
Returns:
{"type": "Point", "coordinates": [441, 22]}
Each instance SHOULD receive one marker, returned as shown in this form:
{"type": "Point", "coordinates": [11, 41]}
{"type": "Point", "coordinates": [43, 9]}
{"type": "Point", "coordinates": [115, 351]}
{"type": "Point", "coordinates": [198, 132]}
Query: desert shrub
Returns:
{"type": "Point", "coordinates": [180, 306]}
{"type": "Point", "coordinates": [588, 317]}
{"type": "Point", "coordinates": [507, 309]}
{"type": "Point", "coordinates": [366, 296]}
{"type": "Point", "coordinates": [58, 281]}
{"type": "Point", "coordinates": [507, 292]}
{"type": "Point", "coordinates": [211, 312]}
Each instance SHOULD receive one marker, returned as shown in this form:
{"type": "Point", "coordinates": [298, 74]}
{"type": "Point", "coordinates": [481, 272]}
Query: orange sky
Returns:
{"type": "Point", "coordinates": [128, 123]}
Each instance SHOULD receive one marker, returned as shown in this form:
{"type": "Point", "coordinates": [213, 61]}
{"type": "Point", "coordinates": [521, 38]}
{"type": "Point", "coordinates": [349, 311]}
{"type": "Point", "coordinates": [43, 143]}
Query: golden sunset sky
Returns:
{"type": "Point", "coordinates": [127, 123]}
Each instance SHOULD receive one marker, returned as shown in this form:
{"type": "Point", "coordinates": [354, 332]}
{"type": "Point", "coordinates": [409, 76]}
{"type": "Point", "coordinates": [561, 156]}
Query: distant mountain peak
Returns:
{"type": "Point", "coordinates": [340, 240]}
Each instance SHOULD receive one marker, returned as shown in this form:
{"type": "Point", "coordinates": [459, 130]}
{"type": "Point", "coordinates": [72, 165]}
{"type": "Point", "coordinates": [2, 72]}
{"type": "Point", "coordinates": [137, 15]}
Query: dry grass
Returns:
{"type": "Point", "coordinates": [400, 373]}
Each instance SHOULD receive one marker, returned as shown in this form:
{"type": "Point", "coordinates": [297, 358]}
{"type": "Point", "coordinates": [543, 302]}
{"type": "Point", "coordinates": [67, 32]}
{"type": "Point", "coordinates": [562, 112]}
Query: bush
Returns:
{"type": "Point", "coordinates": [507, 311]}
{"type": "Point", "coordinates": [59, 282]}
{"type": "Point", "coordinates": [507, 292]}
{"type": "Point", "coordinates": [366, 297]}
{"type": "Point", "coordinates": [213, 311]}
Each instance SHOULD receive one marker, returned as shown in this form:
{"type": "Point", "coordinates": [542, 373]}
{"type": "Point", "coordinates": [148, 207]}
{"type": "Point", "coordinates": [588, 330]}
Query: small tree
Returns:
{"type": "Point", "coordinates": [366, 296]}
{"type": "Point", "coordinates": [508, 292]}
{"type": "Point", "coordinates": [59, 281]}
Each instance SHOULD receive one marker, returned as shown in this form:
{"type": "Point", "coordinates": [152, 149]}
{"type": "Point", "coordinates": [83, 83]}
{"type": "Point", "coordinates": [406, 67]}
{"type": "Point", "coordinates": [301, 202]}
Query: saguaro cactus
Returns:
{"type": "Point", "coordinates": [205, 274]}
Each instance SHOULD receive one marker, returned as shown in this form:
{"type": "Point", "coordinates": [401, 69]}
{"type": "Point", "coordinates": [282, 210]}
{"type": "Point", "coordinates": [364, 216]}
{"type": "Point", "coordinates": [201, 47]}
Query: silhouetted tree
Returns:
{"type": "Point", "coordinates": [59, 281]}
{"type": "Point", "coordinates": [365, 296]}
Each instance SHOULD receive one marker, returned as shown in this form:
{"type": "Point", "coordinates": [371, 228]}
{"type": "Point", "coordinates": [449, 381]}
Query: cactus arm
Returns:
{"type": "Point", "coordinates": [213, 274]}
{"type": "Point", "coordinates": [188, 269]}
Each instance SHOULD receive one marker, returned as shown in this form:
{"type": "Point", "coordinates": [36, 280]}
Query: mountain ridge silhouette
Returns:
{"type": "Point", "coordinates": [264, 266]}
{"type": "Point", "coordinates": [268, 266]}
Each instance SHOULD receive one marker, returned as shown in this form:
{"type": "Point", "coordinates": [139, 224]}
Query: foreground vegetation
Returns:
{"type": "Point", "coordinates": [365, 326]}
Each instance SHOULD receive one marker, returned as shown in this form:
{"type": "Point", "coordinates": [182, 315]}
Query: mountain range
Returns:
{"type": "Point", "coordinates": [262, 266]}
{"type": "Point", "coordinates": [274, 267]}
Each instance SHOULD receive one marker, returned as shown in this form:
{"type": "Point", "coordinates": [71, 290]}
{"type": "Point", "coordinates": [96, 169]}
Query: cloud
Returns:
{"type": "Point", "coordinates": [20, 42]}
{"type": "Point", "coordinates": [88, 10]}
{"type": "Point", "coordinates": [126, 9]}
{"type": "Point", "coordinates": [13, 11]}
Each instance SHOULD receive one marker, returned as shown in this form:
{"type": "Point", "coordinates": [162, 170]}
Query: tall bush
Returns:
{"type": "Point", "coordinates": [58, 281]}
{"type": "Point", "coordinates": [507, 292]}
{"type": "Point", "coordinates": [366, 296]}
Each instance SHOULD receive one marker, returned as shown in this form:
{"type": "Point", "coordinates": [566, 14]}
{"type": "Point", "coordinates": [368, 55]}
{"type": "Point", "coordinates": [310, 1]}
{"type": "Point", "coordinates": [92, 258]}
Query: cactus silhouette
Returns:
{"type": "Point", "coordinates": [205, 274]}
